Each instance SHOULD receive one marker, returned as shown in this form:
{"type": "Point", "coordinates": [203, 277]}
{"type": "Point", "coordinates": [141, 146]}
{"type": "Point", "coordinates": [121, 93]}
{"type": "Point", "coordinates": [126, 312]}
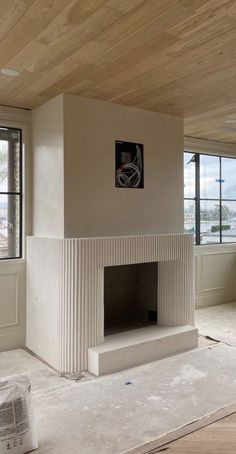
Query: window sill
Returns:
{"type": "Point", "coordinates": [222, 247]}
{"type": "Point", "coordinates": [12, 262]}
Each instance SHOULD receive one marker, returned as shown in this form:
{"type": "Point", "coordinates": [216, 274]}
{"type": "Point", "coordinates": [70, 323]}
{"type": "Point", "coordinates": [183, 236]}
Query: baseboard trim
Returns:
{"type": "Point", "coordinates": [12, 340]}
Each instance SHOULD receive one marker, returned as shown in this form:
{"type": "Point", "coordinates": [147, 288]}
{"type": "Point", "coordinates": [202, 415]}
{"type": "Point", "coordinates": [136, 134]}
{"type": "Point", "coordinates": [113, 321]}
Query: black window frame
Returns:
{"type": "Point", "coordinates": [197, 199]}
{"type": "Point", "coordinates": [17, 193]}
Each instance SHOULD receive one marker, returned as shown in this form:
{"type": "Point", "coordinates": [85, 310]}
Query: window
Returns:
{"type": "Point", "coordinates": [210, 198]}
{"type": "Point", "coordinates": [10, 193]}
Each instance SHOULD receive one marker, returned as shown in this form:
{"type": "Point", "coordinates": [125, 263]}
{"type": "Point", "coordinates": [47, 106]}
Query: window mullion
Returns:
{"type": "Point", "coordinates": [197, 198]}
{"type": "Point", "coordinates": [21, 196]}
{"type": "Point", "coordinates": [220, 204]}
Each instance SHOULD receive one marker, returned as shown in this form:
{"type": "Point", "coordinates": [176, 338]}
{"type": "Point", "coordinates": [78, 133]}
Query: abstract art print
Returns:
{"type": "Point", "coordinates": [129, 165]}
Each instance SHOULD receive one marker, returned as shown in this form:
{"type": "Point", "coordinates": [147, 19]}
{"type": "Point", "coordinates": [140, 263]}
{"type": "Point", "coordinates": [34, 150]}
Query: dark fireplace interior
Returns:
{"type": "Point", "coordinates": [130, 297]}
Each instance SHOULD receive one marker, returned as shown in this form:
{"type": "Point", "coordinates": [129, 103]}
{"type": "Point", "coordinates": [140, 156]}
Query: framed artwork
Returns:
{"type": "Point", "coordinates": [129, 165]}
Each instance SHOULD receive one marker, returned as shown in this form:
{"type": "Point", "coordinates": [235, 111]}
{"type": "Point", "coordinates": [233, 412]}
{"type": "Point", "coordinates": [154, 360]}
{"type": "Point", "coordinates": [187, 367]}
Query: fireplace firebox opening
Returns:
{"type": "Point", "coordinates": [130, 297]}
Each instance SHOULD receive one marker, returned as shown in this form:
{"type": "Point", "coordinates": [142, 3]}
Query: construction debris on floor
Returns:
{"type": "Point", "coordinates": [115, 413]}
{"type": "Point", "coordinates": [218, 323]}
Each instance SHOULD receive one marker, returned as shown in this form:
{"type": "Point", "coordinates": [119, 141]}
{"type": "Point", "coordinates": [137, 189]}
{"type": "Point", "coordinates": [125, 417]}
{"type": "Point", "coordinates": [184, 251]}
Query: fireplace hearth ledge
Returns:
{"type": "Point", "coordinates": [140, 346]}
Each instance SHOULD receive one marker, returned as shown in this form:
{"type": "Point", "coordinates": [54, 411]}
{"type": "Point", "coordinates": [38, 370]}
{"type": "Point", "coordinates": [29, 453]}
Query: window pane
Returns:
{"type": "Point", "coordinates": [3, 165]}
{"type": "Point", "coordinates": [9, 226]}
{"type": "Point", "coordinates": [189, 175]}
{"type": "Point", "coordinates": [189, 217]}
{"type": "Point", "coordinates": [228, 222]}
{"type": "Point", "coordinates": [10, 162]}
{"type": "Point", "coordinates": [209, 177]}
{"type": "Point", "coordinates": [228, 173]}
{"type": "Point", "coordinates": [209, 222]}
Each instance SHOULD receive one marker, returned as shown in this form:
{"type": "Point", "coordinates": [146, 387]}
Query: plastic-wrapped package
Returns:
{"type": "Point", "coordinates": [17, 433]}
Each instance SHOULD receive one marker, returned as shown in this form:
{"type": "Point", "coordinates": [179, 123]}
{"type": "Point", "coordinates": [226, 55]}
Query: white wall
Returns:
{"type": "Point", "coordinates": [12, 272]}
{"type": "Point", "coordinates": [48, 179]}
{"type": "Point", "coordinates": [93, 205]}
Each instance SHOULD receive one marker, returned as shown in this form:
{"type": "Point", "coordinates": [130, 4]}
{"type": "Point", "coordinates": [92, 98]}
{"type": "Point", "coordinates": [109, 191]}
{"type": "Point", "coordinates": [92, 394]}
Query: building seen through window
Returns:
{"type": "Point", "coordinates": [10, 193]}
{"type": "Point", "coordinates": [210, 198]}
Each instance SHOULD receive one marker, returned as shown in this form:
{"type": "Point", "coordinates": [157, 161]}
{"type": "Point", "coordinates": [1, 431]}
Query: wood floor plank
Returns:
{"type": "Point", "coordinates": [217, 438]}
{"type": "Point", "coordinates": [214, 433]}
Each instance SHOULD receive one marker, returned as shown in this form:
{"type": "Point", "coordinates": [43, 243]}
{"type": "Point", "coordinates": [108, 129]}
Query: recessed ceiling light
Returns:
{"type": "Point", "coordinates": [10, 72]}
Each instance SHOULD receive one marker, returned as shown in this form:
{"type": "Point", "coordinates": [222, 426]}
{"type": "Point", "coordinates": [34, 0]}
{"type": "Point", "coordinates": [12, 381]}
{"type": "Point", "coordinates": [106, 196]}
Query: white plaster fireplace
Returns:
{"type": "Point", "coordinates": [65, 301]}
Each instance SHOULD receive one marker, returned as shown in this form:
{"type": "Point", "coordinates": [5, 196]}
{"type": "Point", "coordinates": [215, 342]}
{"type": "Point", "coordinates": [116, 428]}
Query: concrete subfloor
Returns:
{"type": "Point", "coordinates": [218, 322]}
{"type": "Point", "coordinates": [107, 415]}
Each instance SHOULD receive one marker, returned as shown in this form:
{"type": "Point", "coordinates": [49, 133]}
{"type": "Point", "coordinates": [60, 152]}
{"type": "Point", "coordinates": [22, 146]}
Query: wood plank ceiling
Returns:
{"type": "Point", "coordinates": [171, 56]}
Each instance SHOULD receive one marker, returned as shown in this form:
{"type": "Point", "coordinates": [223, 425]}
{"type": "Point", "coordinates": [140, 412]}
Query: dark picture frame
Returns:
{"type": "Point", "coordinates": [129, 165]}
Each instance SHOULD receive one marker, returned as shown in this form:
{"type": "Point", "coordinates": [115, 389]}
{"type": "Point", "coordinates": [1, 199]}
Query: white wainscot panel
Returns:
{"type": "Point", "coordinates": [218, 270]}
{"type": "Point", "coordinates": [12, 304]}
{"type": "Point", "coordinates": [215, 275]}
{"type": "Point", "coordinates": [8, 300]}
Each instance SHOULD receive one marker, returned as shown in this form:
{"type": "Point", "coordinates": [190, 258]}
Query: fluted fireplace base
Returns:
{"type": "Point", "coordinates": [65, 300]}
